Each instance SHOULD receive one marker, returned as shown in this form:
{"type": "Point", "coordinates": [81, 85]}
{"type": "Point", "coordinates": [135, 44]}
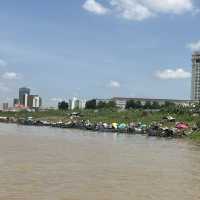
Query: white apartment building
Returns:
{"type": "Point", "coordinates": [36, 102]}
{"type": "Point", "coordinates": [76, 103]}
{"type": "Point", "coordinates": [26, 100]}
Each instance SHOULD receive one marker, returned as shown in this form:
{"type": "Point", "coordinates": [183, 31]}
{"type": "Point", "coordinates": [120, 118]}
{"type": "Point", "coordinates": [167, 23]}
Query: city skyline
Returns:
{"type": "Point", "coordinates": [92, 49]}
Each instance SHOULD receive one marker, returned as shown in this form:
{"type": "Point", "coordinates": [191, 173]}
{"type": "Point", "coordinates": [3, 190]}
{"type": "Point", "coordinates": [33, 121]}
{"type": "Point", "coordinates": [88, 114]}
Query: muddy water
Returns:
{"type": "Point", "coordinates": [48, 163]}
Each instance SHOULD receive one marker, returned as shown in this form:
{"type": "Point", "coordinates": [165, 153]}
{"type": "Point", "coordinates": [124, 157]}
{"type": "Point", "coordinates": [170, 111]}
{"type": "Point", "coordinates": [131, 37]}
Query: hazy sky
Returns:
{"type": "Point", "coordinates": [98, 48]}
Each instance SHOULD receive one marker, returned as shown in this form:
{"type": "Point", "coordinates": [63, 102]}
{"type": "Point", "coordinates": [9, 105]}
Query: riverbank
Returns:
{"type": "Point", "coordinates": [158, 124]}
{"type": "Point", "coordinates": [195, 136]}
{"type": "Point", "coordinates": [105, 115]}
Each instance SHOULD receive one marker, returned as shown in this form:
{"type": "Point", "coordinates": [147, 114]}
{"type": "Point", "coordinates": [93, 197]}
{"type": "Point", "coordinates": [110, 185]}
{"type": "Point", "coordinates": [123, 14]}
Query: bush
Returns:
{"type": "Point", "coordinates": [91, 104]}
{"type": "Point", "coordinates": [198, 124]}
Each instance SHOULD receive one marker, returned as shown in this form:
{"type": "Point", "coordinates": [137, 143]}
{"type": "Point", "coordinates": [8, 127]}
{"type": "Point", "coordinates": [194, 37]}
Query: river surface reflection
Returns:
{"type": "Point", "coordinates": [49, 164]}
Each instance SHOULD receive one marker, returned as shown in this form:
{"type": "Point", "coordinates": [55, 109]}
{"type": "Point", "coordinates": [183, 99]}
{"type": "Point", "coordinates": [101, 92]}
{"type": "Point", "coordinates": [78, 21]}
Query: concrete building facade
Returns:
{"type": "Point", "coordinates": [195, 90]}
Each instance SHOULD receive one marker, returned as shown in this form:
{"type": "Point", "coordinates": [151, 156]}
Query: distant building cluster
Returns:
{"type": "Point", "coordinates": [27, 100]}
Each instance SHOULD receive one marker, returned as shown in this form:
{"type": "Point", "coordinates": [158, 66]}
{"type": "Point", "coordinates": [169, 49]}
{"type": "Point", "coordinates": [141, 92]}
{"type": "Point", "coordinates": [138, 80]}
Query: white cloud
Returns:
{"type": "Point", "coordinates": [11, 76]}
{"type": "Point", "coordinates": [195, 46]}
{"type": "Point", "coordinates": [142, 9]}
{"type": "Point", "coordinates": [3, 63]}
{"type": "Point", "coordinates": [95, 7]}
{"type": "Point", "coordinates": [131, 9]}
{"type": "Point", "coordinates": [170, 6]}
{"type": "Point", "coordinates": [114, 84]}
{"type": "Point", "coordinates": [172, 74]}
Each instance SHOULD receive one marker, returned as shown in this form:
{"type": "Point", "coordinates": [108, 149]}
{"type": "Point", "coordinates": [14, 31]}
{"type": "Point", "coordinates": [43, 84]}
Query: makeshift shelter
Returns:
{"type": "Point", "coordinates": [122, 126]}
{"type": "Point", "coordinates": [115, 125]}
{"type": "Point", "coordinates": [182, 125]}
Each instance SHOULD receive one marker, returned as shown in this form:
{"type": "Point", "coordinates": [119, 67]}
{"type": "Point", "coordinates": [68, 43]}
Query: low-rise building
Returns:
{"type": "Point", "coordinates": [5, 106]}
{"type": "Point", "coordinates": [121, 101]}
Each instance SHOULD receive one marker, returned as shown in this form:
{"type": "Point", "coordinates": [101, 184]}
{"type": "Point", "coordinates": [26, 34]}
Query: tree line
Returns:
{"type": "Point", "coordinates": [131, 104]}
{"type": "Point", "coordinates": [92, 104]}
{"type": "Point", "coordinates": [167, 105]}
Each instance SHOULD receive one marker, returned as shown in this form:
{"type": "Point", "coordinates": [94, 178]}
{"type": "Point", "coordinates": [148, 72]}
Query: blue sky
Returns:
{"type": "Point", "coordinates": [98, 48]}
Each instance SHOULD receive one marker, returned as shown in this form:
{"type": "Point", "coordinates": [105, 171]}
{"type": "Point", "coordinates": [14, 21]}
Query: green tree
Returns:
{"type": "Point", "coordinates": [198, 124]}
{"type": "Point", "coordinates": [108, 105]}
{"type": "Point", "coordinates": [111, 104]}
{"type": "Point", "coordinates": [148, 105]}
{"type": "Point", "coordinates": [91, 104]}
{"type": "Point", "coordinates": [130, 104]}
{"type": "Point", "coordinates": [155, 105]}
{"type": "Point", "coordinates": [63, 105]}
{"type": "Point", "coordinates": [101, 105]}
{"type": "Point", "coordinates": [138, 104]}
{"type": "Point", "coordinates": [169, 104]}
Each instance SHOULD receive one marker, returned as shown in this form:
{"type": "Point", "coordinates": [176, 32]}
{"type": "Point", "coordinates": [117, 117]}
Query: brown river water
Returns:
{"type": "Point", "coordinates": [59, 164]}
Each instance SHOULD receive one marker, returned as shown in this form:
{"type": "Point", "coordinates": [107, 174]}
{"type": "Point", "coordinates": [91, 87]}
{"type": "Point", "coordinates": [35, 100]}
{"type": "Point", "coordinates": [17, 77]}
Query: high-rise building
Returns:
{"type": "Point", "coordinates": [23, 94]}
{"type": "Point", "coordinates": [195, 94]}
{"type": "Point", "coordinates": [25, 97]}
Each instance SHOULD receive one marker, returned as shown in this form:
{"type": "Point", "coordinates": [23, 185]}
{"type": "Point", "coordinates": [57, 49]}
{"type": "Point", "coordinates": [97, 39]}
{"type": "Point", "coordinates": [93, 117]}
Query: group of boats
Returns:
{"type": "Point", "coordinates": [154, 129]}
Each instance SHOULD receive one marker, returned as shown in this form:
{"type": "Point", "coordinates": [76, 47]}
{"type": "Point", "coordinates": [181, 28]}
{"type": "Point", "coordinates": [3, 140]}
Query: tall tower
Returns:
{"type": "Point", "coordinates": [195, 95]}
{"type": "Point", "coordinates": [23, 93]}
